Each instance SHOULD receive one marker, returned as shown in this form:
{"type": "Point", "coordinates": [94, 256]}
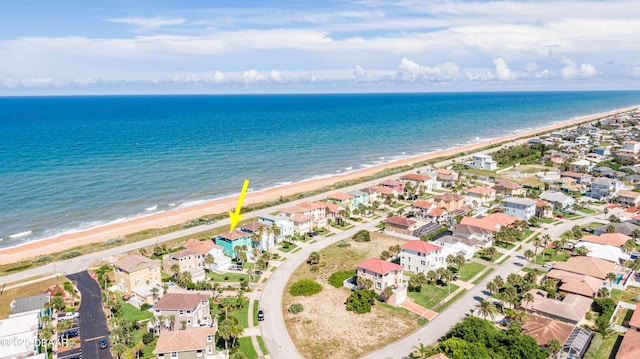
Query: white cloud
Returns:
{"type": "Point", "coordinates": [146, 23]}
{"type": "Point", "coordinates": [502, 70]}
{"type": "Point", "coordinates": [636, 71]}
{"type": "Point", "coordinates": [573, 71]}
{"type": "Point", "coordinates": [359, 74]}
{"type": "Point", "coordinates": [409, 70]}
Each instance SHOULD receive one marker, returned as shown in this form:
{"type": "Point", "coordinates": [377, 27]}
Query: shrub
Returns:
{"type": "Point", "coordinates": [360, 301]}
{"type": "Point", "coordinates": [362, 236]}
{"type": "Point", "coordinates": [343, 244]}
{"type": "Point", "coordinates": [147, 338]}
{"type": "Point", "coordinates": [305, 287]}
{"type": "Point", "coordinates": [70, 255]}
{"type": "Point", "coordinates": [43, 259]}
{"type": "Point", "coordinates": [144, 307]}
{"type": "Point", "coordinates": [336, 279]}
{"type": "Point", "coordinates": [191, 286]}
{"type": "Point", "coordinates": [295, 308]}
{"type": "Point", "coordinates": [112, 241]}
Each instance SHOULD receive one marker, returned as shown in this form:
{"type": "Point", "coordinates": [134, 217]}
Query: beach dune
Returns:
{"type": "Point", "coordinates": [60, 243]}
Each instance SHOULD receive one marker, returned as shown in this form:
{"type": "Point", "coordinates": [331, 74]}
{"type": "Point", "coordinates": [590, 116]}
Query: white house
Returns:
{"type": "Point", "coordinates": [603, 188]}
{"type": "Point", "coordinates": [631, 146]}
{"type": "Point", "coordinates": [559, 200]}
{"type": "Point", "coordinates": [523, 208]}
{"type": "Point", "coordinates": [484, 162]}
{"type": "Point", "coordinates": [285, 226]}
{"type": "Point", "coordinates": [461, 245]}
{"type": "Point", "coordinates": [604, 251]}
{"type": "Point", "coordinates": [264, 231]}
{"type": "Point", "coordinates": [582, 140]}
{"type": "Point", "coordinates": [419, 256]}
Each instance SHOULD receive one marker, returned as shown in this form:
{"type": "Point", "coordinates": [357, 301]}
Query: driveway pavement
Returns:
{"type": "Point", "coordinates": [93, 323]}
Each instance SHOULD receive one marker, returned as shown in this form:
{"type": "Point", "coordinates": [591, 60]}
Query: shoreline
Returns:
{"type": "Point", "coordinates": [222, 205]}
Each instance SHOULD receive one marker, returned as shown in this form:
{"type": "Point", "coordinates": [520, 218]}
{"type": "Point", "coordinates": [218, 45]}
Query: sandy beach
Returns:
{"type": "Point", "coordinates": [52, 245]}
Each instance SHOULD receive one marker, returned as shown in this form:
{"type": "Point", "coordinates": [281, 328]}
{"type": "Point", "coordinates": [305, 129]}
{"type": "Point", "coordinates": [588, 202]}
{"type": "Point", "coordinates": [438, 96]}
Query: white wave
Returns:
{"type": "Point", "coordinates": [338, 171]}
{"type": "Point", "coordinates": [21, 234]}
{"type": "Point", "coordinates": [172, 205]}
{"type": "Point", "coordinates": [349, 168]}
{"type": "Point", "coordinates": [284, 183]}
{"type": "Point", "coordinates": [152, 208]}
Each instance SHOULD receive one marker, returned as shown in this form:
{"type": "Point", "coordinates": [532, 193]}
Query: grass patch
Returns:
{"type": "Point", "coordinates": [478, 255]}
{"type": "Point", "coordinates": [263, 347]}
{"type": "Point", "coordinates": [256, 304]}
{"type": "Point", "coordinates": [630, 295]}
{"type": "Point", "coordinates": [147, 351]}
{"type": "Point", "coordinates": [469, 270]}
{"type": "Point", "coordinates": [246, 347]}
{"type": "Point", "coordinates": [505, 245]}
{"type": "Point", "coordinates": [230, 277]}
{"type": "Point", "coordinates": [603, 348]}
{"type": "Point", "coordinates": [525, 234]}
{"type": "Point", "coordinates": [504, 259]}
{"type": "Point", "coordinates": [242, 315]}
{"type": "Point", "coordinates": [24, 291]}
{"type": "Point", "coordinates": [297, 249]}
{"type": "Point", "coordinates": [483, 276]}
{"type": "Point", "coordinates": [587, 210]}
{"type": "Point", "coordinates": [623, 315]}
{"type": "Point", "coordinates": [455, 297]}
{"type": "Point", "coordinates": [593, 225]}
{"type": "Point", "coordinates": [431, 295]}
{"type": "Point", "coordinates": [286, 247]}
{"type": "Point", "coordinates": [337, 278]}
{"type": "Point", "coordinates": [549, 256]}
{"type": "Point", "coordinates": [405, 313]}
{"type": "Point", "coordinates": [134, 314]}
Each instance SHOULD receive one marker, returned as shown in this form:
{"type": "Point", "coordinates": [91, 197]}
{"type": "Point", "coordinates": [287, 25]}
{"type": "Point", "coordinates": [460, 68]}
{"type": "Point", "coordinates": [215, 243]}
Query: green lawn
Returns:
{"type": "Point", "coordinates": [477, 255]}
{"type": "Point", "coordinates": [262, 346]}
{"type": "Point", "coordinates": [550, 257]}
{"type": "Point", "coordinates": [504, 259]}
{"type": "Point", "coordinates": [286, 247]}
{"type": "Point", "coordinates": [628, 295]}
{"type": "Point", "coordinates": [603, 348]}
{"type": "Point", "coordinates": [242, 315]}
{"type": "Point", "coordinates": [256, 305]}
{"type": "Point", "coordinates": [623, 315]}
{"type": "Point", "coordinates": [430, 295]}
{"type": "Point", "coordinates": [246, 348]}
{"type": "Point", "coordinates": [134, 314]}
{"type": "Point", "coordinates": [405, 313]}
{"type": "Point", "coordinates": [547, 220]}
{"type": "Point", "coordinates": [593, 225]}
{"type": "Point", "coordinates": [469, 270]}
{"type": "Point", "coordinates": [148, 349]}
{"type": "Point", "coordinates": [526, 233]}
{"type": "Point", "coordinates": [505, 245]}
{"type": "Point", "coordinates": [587, 210]}
{"type": "Point", "coordinates": [483, 276]}
{"type": "Point", "coordinates": [230, 277]}
{"type": "Point", "coordinates": [456, 297]}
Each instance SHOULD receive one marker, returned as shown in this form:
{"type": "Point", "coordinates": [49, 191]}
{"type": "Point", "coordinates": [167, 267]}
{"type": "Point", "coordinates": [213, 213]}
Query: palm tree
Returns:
{"type": "Point", "coordinates": [528, 254]}
{"type": "Point", "coordinates": [314, 258]}
{"type": "Point", "coordinates": [580, 251]}
{"type": "Point", "coordinates": [459, 261]}
{"type": "Point", "coordinates": [421, 351]}
{"type": "Point", "coordinates": [486, 309]}
{"type": "Point", "coordinates": [387, 292]}
{"type": "Point", "coordinates": [432, 276]}
{"type": "Point", "coordinates": [545, 241]}
{"type": "Point", "coordinates": [527, 298]}
{"type": "Point", "coordinates": [183, 324]}
{"type": "Point", "coordinates": [172, 321]}
{"type": "Point", "coordinates": [611, 277]}
{"type": "Point", "coordinates": [498, 281]}
{"type": "Point", "coordinates": [630, 245]}
{"type": "Point", "coordinates": [209, 260]}
{"type": "Point", "coordinates": [175, 269]}
{"type": "Point", "coordinates": [603, 292]}
{"type": "Point", "coordinates": [155, 291]}
{"type": "Point", "coordinates": [536, 244]}
{"type": "Point", "coordinates": [554, 346]}
{"type": "Point", "coordinates": [161, 323]}
{"type": "Point", "coordinates": [492, 287]}
{"type": "Point", "coordinates": [450, 260]}
{"type": "Point", "coordinates": [364, 283]}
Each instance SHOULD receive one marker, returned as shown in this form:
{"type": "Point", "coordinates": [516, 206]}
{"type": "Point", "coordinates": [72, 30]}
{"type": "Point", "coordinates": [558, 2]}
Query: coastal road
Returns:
{"type": "Point", "coordinates": [274, 331]}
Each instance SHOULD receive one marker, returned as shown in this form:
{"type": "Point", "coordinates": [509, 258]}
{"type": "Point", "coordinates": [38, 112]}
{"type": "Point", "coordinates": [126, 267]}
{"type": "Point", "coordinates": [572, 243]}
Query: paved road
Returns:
{"type": "Point", "coordinates": [274, 331]}
{"type": "Point", "coordinates": [93, 323]}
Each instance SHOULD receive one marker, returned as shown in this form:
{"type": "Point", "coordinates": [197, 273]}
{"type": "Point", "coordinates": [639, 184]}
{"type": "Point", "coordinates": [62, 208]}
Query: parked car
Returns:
{"type": "Point", "coordinates": [548, 265]}
{"type": "Point", "coordinates": [103, 343]}
{"type": "Point", "coordinates": [260, 315]}
{"type": "Point", "coordinates": [71, 334]}
{"type": "Point", "coordinates": [257, 272]}
{"type": "Point", "coordinates": [69, 316]}
{"type": "Point", "coordinates": [235, 267]}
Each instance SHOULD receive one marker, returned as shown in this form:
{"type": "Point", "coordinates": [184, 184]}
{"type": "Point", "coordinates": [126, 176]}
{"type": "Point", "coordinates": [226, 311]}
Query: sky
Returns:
{"type": "Point", "coordinates": [302, 46]}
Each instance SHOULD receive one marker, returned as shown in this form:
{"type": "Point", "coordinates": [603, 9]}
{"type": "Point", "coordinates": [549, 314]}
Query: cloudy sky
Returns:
{"type": "Point", "coordinates": [292, 46]}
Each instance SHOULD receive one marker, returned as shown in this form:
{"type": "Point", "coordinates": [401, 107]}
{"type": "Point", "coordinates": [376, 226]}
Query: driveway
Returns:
{"type": "Point", "coordinates": [93, 323]}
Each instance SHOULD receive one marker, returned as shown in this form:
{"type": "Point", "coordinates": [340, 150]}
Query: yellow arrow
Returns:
{"type": "Point", "coordinates": [234, 218]}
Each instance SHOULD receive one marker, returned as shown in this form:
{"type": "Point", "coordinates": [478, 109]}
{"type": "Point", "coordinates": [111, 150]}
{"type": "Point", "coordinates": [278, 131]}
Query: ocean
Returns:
{"type": "Point", "coordinates": [73, 163]}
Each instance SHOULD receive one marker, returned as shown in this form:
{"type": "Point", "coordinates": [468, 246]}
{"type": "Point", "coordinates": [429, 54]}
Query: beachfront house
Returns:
{"type": "Point", "coordinates": [523, 208]}
{"type": "Point", "coordinates": [397, 186]}
{"type": "Point", "coordinates": [231, 240]}
{"type": "Point", "coordinates": [186, 260]}
{"type": "Point", "coordinates": [417, 180]}
{"type": "Point", "coordinates": [483, 162]}
{"type": "Point", "coordinates": [188, 344]}
{"type": "Point", "coordinates": [262, 236]}
{"type": "Point", "coordinates": [341, 199]}
{"type": "Point", "coordinates": [285, 226]}
{"type": "Point", "coordinates": [190, 307]}
{"type": "Point", "coordinates": [136, 275]}
{"type": "Point", "coordinates": [420, 257]}
{"type": "Point", "coordinates": [208, 247]}
{"type": "Point", "coordinates": [19, 336]}
{"type": "Point", "coordinates": [360, 199]}
{"type": "Point", "coordinates": [629, 198]}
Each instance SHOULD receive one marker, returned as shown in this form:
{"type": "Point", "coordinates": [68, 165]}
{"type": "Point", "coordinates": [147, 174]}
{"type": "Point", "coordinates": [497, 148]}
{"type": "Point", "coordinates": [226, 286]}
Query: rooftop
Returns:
{"type": "Point", "coordinates": [415, 177]}
{"type": "Point", "coordinates": [630, 346]}
{"type": "Point", "coordinates": [234, 235]}
{"type": "Point", "coordinates": [613, 239]}
{"type": "Point", "coordinates": [420, 246]}
{"type": "Point", "coordinates": [27, 304]}
{"type": "Point", "coordinates": [177, 301]}
{"type": "Point", "coordinates": [202, 247]}
{"type": "Point", "coordinates": [379, 266]}
{"type": "Point", "coordinates": [135, 262]}
{"type": "Point", "coordinates": [184, 340]}
{"type": "Point", "coordinates": [595, 267]}
{"type": "Point", "coordinates": [400, 221]}
{"type": "Point", "coordinates": [635, 318]}
{"type": "Point", "coordinates": [340, 196]}
{"type": "Point", "coordinates": [572, 308]}
{"type": "Point", "coordinates": [544, 329]}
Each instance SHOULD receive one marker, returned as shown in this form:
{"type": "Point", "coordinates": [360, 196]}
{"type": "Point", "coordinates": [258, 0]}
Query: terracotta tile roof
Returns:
{"type": "Point", "coordinates": [449, 197]}
{"type": "Point", "coordinates": [379, 266]}
{"type": "Point", "coordinates": [574, 174]}
{"type": "Point", "coordinates": [420, 246]}
{"type": "Point", "coordinates": [293, 210]}
{"type": "Point", "coordinates": [333, 208]}
{"type": "Point", "coordinates": [183, 253]}
{"type": "Point", "coordinates": [572, 307]}
{"type": "Point", "coordinates": [384, 190]}
{"type": "Point", "coordinates": [635, 318]}
{"type": "Point", "coordinates": [628, 194]}
{"type": "Point", "coordinates": [253, 226]}
{"type": "Point", "coordinates": [202, 247]}
{"type": "Point", "coordinates": [442, 171]}
{"type": "Point", "coordinates": [298, 218]}
{"type": "Point", "coordinates": [177, 301]}
{"type": "Point", "coordinates": [576, 283]}
{"type": "Point", "coordinates": [400, 221]}
{"type": "Point", "coordinates": [508, 184]}
{"type": "Point", "coordinates": [613, 239]}
{"type": "Point", "coordinates": [630, 346]}
{"type": "Point", "coordinates": [594, 267]}
{"type": "Point", "coordinates": [501, 218]}
{"type": "Point", "coordinates": [492, 222]}
{"type": "Point", "coordinates": [236, 234]}
{"type": "Point", "coordinates": [541, 203]}
{"type": "Point", "coordinates": [436, 212]}
{"type": "Point", "coordinates": [470, 229]}
{"type": "Point", "coordinates": [135, 262]}
{"type": "Point", "coordinates": [340, 196]}
{"type": "Point", "coordinates": [415, 177]}
{"type": "Point", "coordinates": [390, 183]}
{"type": "Point", "coordinates": [481, 190]}
{"type": "Point", "coordinates": [183, 340]}
{"type": "Point", "coordinates": [544, 329]}
{"type": "Point", "coordinates": [423, 204]}
{"type": "Point", "coordinates": [313, 205]}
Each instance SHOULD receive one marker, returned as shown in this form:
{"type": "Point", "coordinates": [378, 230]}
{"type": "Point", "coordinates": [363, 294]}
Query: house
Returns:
{"type": "Point", "coordinates": [583, 166]}
{"type": "Point", "coordinates": [397, 186]}
{"type": "Point", "coordinates": [544, 329]}
{"type": "Point", "coordinates": [483, 162]}
{"type": "Point", "coordinates": [449, 201]}
{"type": "Point", "coordinates": [631, 146]}
{"type": "Point", "coordinates": [190, 307]}
{"type": "Point", "coordinates": [508, 189]}
{"type": "Point", "coordinates": [582, 140]}
{"type": "Point", "coordinates": [559, 200]}
{"type": "Point", "coordinates": [19, 335]}
{"type": "Point", "coordinates": [418, 180]}
{"type": "Point", "coordinates": [382, 274]}
{"type": "Point", "coordinates": [580, 284]}
{"type": "Point", "coordinates": [604, 251]}
{"type": "Point", "coordinates": [302, 223]}
{"type": "Point", "coordinates": [461, 245]}
{"type": "Point", "coordinates": [569, 310]}
{"type": "Point", "coordinates": [523, 208]}
{"type": "Point", "coordinates": [285, 226]}
{"type": "Point", "coordinates": [35, 303]}
{"type": "Point", "coordinates": [625, 228]}
{"type": "Point", "coordinates": [543, 208]}
{"type": "Point", "coordinates": [230, 240]}
{"type": "Point", "coordinates": [492, 222]}
{"type": "Point", "coordinates": [206, 247]}
{"type": "Point", "coordinates": [420, 257]}
{"type": "Point", "coordinates": [630, 346]}
{"type": "Point", "coordinates": [603, 188]}
{"type": "Point", "coordinates": [341, 199]}
{"type": "Point", "coordinates": [579, 177]}
{"type": "Point", "coordinates": [438, 215]}
{"type": "Point", "coordinates": [136, 275]}
{"type": "Point", "coordinates": [183, 344]}
{"type": "Point", "coordinates": [447, 177]}
{"type": "Point", "coordinates": [318, 212]}
{"type": "Point", "coordinates": [481, 195]}
{"type": "Point", "coordinates": [302, 217]}
{"type": "Point", "coordinates": [399, 224]}
{"type": "Point", "coordinates": [629, 198]}
{"type": "Point", "coordinates": [482, 235]}
{"type": "Point", "coordinates": [187, 260]}
{"type": "Point", "coordinates": [595, 267]}
{"type": "Point", "coordinates": [602, 151]}
{"type": "Point", "coordinates": [263, 232]}
{"type": "Point", "coordinates": [360, 198]}
{"type": "Point", "coordinates": [421, 208]}
{"type": "Point", "coordinates": [612, 239]}
{"type": "Point", "coordinates": [634, 322]}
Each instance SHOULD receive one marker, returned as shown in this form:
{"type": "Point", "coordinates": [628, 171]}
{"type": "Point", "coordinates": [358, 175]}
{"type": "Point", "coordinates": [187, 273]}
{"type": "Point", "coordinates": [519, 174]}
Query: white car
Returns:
{"type": "Point", "coordinates": [70, 316]}
{"type": "Point", "coordinates": [548, 265]}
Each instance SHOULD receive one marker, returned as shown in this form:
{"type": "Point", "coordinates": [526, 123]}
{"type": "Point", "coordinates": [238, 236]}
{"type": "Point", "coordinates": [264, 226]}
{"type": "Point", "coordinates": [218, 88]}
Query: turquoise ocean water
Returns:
{"type": "Point", "coordinates": [72, 163]}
